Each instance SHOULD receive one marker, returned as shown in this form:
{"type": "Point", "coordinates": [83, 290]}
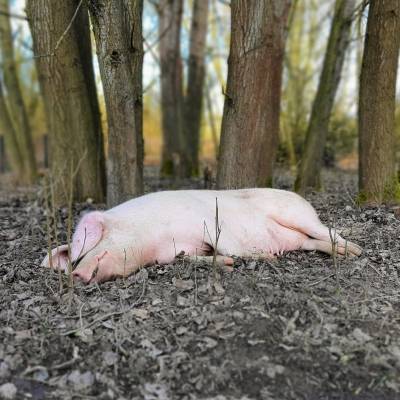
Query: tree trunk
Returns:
{"type": "Point", "coordinates": [250, 123]}
{"type": "Point", "coordinates": [195, 84]}
{"type": "Point", "coordinates": [85, 50]}
{"type": "Point", "coordinates": [118, 31]}
{"type": "Point", "coordinates": [173, 155]}
{"type": "Point", "coordinates": [10, 137]}
{"type": "Point", "coordinates": [311, 163]}
{"type": "Point", "coordinates": [14, 96]}
{"type": "Point", "coordinates": [211, 118]}
{"type": "Point", "coordinates": [378, 182]}
{"type": "Point", "coordinates": [66, 80]}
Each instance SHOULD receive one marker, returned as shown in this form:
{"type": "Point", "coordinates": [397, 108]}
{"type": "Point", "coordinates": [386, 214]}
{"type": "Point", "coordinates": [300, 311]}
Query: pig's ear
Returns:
{"type": "Point", "coordinates": [87, 235]}
{"type": "Point", "coordinates": [58, 258]}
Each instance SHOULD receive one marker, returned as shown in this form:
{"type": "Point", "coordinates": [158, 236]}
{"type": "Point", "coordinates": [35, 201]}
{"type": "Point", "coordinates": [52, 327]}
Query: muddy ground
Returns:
{"type": "Point", "coordinates": [297, 328]}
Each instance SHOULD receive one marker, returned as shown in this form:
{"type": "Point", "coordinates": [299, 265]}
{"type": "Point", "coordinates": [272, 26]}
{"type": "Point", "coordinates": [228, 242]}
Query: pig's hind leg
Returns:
{"type": "Point", "coordinates": [322, 237]}
{"type": "Point", "coordinates": [304, 218]}
{"type": "Point", "coordinates": [323, 246]}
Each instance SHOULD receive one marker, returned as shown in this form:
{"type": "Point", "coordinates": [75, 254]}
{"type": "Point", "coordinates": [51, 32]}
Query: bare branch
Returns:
{"type": "Point", "coordinates": [12, 15]}
{"type": "Point", "coordinates": [68, 27]}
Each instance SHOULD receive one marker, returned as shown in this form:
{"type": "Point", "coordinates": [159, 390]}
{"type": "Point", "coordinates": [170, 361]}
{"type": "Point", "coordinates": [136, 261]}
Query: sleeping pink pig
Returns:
{"type": "Point", "coordinates": [156, 227]}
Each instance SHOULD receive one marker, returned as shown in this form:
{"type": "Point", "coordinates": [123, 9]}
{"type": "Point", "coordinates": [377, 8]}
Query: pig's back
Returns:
{"type": "Point", "coordinates": [180, 203]}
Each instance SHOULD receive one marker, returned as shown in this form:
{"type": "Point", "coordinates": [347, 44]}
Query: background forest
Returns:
{"type": "Point", "coordinates": [103, 100]}
{"type": "Point", "coordinates": [185, 51]}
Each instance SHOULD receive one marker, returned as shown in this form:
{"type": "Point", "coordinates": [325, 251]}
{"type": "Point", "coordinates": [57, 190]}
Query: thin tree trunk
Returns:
{"type": "Point", "coordinates": [118, 32]}
{"type": "Point", "coordinates": [68, 92]}
{"type": "Point", "coordinates": [173, 155]}
{"type": "Point", "coordinates": [10, 137]}
{"type": "Point", "coordinates": [85, 49]}
{"type": "Point", "coordinates": [378, 182]}
{"type": "Point", "coordinates": [195, 84]}
{"type": "Point", "coordinates": [311, 162]}
{"type": "Point", "coordinates": [216, 33]}
{"type": "Point", "coordinates": [211, 116]}
{"type": "Point", "coordinates": [250, 124]}
{"type": "Point", "coordinates": [17, 107]}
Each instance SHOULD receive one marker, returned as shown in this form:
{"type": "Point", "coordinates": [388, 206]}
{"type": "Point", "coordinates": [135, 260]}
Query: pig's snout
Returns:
{"type": "Point", "coordinates": [99, 268]}
{"type": "Point", "coordinates": [82, 275]}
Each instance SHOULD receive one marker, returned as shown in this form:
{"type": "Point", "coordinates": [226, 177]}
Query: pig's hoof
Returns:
{"type": "Point", "coordinates": [352, 250]}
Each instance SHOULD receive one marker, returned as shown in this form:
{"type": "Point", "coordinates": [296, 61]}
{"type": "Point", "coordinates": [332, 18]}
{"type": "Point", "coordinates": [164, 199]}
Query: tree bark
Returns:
{"type": "Point", "coordinates": [17, 107]}
{"type": "Point", "coordinates": [85, 50]}
{"type": "Point", "coordinates": [173, 155]}
{"type": "Point", "coordinates": [10, 137]}
{"type": "Point", "coordinates": [311, 162]}
{"type": "Point", "coordinates": [250, 123]}
{"type": "Point", "coordinates": [66, 81]}
{"type": "Point", "coordinates": [378, 182]}
{"type": "Point", "coordinates": [118, 31]}
{"type": "Point", "coordinates": [195, 84]}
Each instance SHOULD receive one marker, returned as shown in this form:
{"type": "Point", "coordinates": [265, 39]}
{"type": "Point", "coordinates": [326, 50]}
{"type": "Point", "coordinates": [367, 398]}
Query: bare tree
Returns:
{"type": "Point", "coordinates": [311, 162]}
{"type": "Point", "coordinates": [250, 124]}
{"type": "Point", "coordinates": [17, 109]}
{"type": "Point", "coordinates": [377, 171]}
{"type": "Point", "coordinates": [10, 137]}
{"type": "Point", "coordinates": [195, 84]}
{"type": "Point", "coordinates": [61, 44]}
{"type": "Point", "coordinates": [118, 31]}
{"type": "Point", "coordinates": [173, 155]}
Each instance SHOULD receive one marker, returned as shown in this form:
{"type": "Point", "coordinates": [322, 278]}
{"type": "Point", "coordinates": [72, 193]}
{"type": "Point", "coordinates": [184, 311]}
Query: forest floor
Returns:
{"type": "Point", "coordinates": [296, 328]}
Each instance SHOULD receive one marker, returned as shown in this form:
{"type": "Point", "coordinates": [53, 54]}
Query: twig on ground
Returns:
{"type": "Point", "coordinates": [108, 315]}
{"type": "Point", "coordinates": [334, 243]}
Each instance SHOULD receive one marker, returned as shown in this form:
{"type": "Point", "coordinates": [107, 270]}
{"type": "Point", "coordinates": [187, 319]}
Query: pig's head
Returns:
{"type": "Point", "coordinates": [97, 251]}
{"type": "Point", "coordinates": [87, 236]}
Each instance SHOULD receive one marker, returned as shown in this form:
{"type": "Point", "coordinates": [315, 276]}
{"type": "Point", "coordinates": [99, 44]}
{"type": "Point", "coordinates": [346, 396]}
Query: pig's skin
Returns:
{"type": "Point", "coordinates": [156, 227]}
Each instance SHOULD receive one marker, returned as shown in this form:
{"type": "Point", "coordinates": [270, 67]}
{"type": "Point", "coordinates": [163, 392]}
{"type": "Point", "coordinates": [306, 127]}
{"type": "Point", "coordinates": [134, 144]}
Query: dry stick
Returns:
{"type": "Point", "coordinates": [124, 276]}
{"type": "Point", "coordinates": [214, 257]}
{"type": "Point", "coordinates": [69, 229]}
{"type": "Point", "coordinates": [58, 43]}
{"type": "Point", "coordinates": [121, 300]}
{"type": "Point", "coordinates": [108, 315]}
{"type": "Point", "coordinates": [83, 246]}
{"type": "Point", "coordinates": [68, 27]}
{"type": "Point", "coordinates": [334, 251]}
{"type": "Point", "coordinates": [47, 205]}
{"type": "Point", "coordinates": [217, 234]}
{"type": "Point", "coordinates": [70, 197]}
{"type": "Point", "coordinates": [60, 39]}
{"type": "Point", "coordinates": [53, 206]}
{"type": "Point", "coordinates": [196, 289]}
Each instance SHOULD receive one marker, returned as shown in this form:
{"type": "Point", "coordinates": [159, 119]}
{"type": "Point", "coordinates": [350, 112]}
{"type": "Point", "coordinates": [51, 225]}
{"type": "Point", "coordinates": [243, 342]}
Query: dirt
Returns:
{"type": "Point", "coordinates": [302, 327]}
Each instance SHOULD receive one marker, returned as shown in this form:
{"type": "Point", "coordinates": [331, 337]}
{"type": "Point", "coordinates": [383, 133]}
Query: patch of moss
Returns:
{"type": "Point", "coordinates": [391, 195]}
{"type": "Point", "coordinates": [361, 198]}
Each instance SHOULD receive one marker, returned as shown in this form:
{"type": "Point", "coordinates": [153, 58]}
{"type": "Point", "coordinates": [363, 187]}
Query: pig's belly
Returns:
{"type": "Point", "coordinates": [258, 238]}
{"type": "Point", "coordinates": [247, 234]}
